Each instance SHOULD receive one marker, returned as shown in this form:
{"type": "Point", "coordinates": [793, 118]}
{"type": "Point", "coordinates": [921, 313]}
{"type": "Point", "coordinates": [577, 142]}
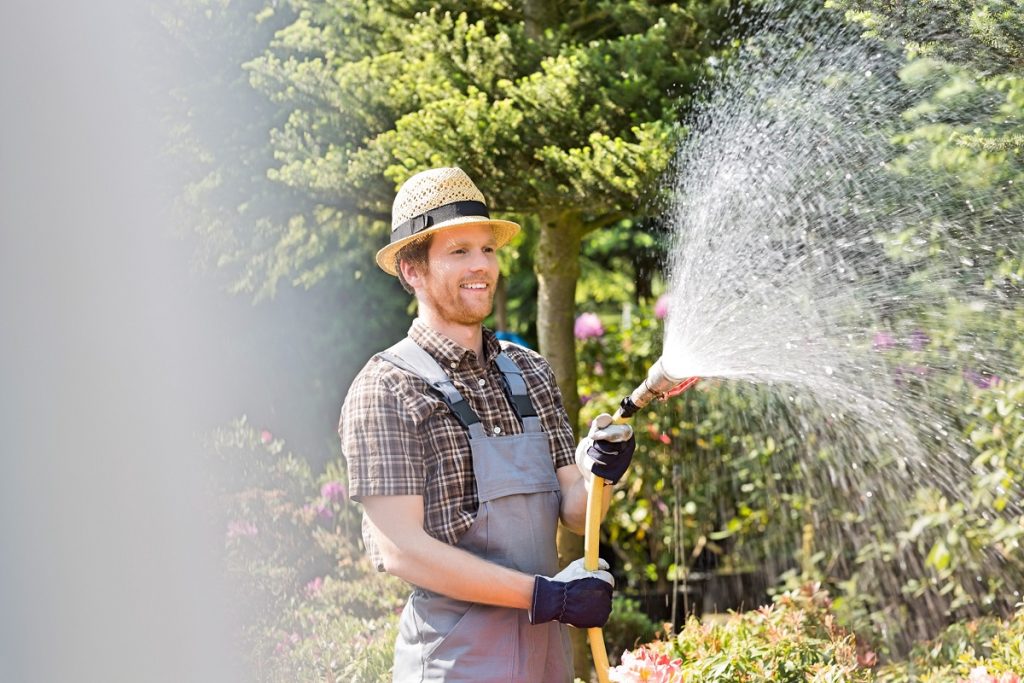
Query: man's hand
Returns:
{"type": "Point", "coordinates": [574, 596]}
{"type": "Point", "coordinates": [606, 450]}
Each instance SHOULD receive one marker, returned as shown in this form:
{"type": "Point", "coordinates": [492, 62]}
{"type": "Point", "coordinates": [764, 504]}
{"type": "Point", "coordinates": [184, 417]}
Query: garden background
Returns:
{"type": "Point", "coordinates": [192, 197]}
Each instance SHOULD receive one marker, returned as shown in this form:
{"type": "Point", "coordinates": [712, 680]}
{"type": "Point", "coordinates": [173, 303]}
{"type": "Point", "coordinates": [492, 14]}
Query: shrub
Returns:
{"type": "Point", "coordinates": [794, 639]}
{"type": "Point", "coordinates": [313, 608]}
{"type": "Point", "coordinates": [798, 639]}
{"type": "Point", "coordinates": [627, 627]}
{"type": "Point", "coordinates": [764, 480]}
{"type": "Point", "coordinates": [984, 650]}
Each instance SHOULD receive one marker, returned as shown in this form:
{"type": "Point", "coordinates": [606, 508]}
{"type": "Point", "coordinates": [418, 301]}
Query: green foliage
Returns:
{"type": "Point", "coordinates": [984, 39]}
{"type": "Point", "coordinates": [701, 451]}
{"type": "Point", "coordinates": [796, 639]}
{"type": "Point", "coordinates": [993, 644]}
{"type": "Point", "coordinates": [313, 608]}
{"type": "Point", "coordinates": [627, 627]}
{"type": "Point", "coordinates": [988, 34]}
{"type": "Point", "coordinates": [577, 115]}
{"type": "Point", "coordinates": [734, 462]}
{"type": "Point", "coordinates": [343, 631]}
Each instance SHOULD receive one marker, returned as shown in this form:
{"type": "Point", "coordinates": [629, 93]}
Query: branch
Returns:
{"type": "Point", "coordinates": [603, 221]}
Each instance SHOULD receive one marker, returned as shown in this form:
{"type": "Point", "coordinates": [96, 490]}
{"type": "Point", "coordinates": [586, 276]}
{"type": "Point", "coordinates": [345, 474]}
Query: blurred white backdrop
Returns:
{"type": "Point", "coordinates": [110, 545]}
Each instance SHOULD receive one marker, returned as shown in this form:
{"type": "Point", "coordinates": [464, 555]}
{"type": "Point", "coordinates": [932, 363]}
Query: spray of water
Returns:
{"type": "Point", "coordinates": [808, 266]}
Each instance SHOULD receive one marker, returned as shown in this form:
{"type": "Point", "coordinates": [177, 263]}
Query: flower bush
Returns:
{"type": "Point", "coordinates": [986, 650]}
{"type": "Point", "coordinates": [798, 638]}
{"type": "Point", "coordinates": [644, 664]}
{"type": "Point", "coordinates": [588, 326]}
{"type": "Point", "coordinates": [795, 639]}
{"type": "Point", "coordinates": [313, 609]}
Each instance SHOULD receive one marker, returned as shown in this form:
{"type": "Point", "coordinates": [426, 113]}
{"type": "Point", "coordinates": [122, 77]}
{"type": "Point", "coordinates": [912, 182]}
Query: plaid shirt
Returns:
{"type": "Point", "coordinates": [399, 437]}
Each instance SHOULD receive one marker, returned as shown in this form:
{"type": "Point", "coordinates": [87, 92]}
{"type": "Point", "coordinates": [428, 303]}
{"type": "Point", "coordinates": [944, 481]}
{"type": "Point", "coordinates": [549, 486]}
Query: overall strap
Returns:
{"type": "Point", "coordinates": [516, 385]}
{"type": "Point", "coordinates": [517, 393]}
{"type": "Point", "coordinates": [409, 356]}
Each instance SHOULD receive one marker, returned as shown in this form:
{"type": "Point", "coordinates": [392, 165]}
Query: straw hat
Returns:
{"type": "Point", "coordinates": [432, 201]}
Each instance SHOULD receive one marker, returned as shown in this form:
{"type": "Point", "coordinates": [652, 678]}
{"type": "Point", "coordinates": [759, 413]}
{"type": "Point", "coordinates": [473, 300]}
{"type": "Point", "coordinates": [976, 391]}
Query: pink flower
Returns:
{"type": "Point", "coordinates": [324, 512]}
{"type": "Point", "coordinates": [661, 307]}
{"type": "Point", "coordinates": [883, 341]}
{"type": "Point", "coordinates": [980, 674]}
{"type": "Point", "coordinates": [918, 340]}
{"type": "Point", "coordinates": [241, 528]}
{"type": "Point", "coordinates": [867, 659]}
{"type": "Point", "coordinates": [980, 380]}
{"type": "Point", "coordinates": [645, 666]}
{"type": "Point", "coordinates": [266, 437]}
{"type": "Point", "coordinates": [588, 325]}
{"type": "Point", "coordinates": [598, 369]}
{"type": "Point", "coordinates": [314, 586]}
{"type": "Point", "coordinates": [333, 491]}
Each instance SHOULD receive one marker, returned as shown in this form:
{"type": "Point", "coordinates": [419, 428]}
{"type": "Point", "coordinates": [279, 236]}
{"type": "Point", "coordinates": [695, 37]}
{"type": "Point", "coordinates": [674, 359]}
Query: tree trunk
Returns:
{"type": "Point", "coordinates": [558, 268]}
{"type": "Point", "coordinates": [539, 15]}
{"type": "Point", "coordinates": [501, 304]}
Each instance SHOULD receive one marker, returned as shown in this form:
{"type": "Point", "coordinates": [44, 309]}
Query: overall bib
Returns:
{"type": "Point", "coordinates": [443, 639]}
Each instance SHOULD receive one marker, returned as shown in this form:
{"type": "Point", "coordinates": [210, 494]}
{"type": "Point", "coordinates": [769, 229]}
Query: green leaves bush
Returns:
{"type": "Point", "coordinates": [794, 640]}
{"type": "Point", "coordinates": [798, 638]}
{"type": "Point", "coordinates": [734, 462]}
{"type": "Point", "coordinates": [313, 608]}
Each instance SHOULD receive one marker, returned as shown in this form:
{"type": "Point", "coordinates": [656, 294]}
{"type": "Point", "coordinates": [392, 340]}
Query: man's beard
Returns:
{"type": "Point", "coordinates": [452, 308]}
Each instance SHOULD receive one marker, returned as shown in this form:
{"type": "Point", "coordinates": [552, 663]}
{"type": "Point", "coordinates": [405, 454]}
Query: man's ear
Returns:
{"type": "Point", "coordinates": [411, 273]}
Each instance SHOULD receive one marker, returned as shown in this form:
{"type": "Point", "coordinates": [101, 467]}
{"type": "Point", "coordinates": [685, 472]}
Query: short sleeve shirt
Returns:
{"type": "Point", "coordinates": [400, 438]}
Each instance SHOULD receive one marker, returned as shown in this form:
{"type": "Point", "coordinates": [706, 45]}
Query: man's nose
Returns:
{"type": "Point", "coordinates": [481, 261]}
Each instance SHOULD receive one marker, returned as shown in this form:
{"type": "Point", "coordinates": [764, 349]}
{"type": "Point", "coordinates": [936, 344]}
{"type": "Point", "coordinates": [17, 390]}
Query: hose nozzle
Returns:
{"type": "Point", "coordinates": [657, 385]}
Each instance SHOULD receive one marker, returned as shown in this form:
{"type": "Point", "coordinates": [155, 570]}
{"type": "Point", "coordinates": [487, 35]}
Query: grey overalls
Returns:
{"type": "Point", "coordinates": [443, 639]}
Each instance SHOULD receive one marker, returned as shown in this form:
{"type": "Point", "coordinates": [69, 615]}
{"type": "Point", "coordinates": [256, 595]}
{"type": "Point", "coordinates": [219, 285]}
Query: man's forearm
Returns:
{"type": "Point", "coordinates": [451, 571]}
{"type": "Point", "coordinates": [413, 555]}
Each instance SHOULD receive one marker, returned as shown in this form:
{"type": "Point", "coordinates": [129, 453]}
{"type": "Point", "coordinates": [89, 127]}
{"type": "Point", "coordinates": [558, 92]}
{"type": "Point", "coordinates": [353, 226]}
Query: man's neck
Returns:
{"type": "Point", "coordinates": [467, 336]}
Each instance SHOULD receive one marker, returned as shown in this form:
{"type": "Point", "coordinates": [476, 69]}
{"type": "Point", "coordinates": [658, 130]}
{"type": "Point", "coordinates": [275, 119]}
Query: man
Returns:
{"type": "Point", "coordinates": [462, 456]}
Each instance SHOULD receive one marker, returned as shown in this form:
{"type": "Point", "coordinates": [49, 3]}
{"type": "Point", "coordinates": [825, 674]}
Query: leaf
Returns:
{"type": "Point", "coordinates": [939, 557]}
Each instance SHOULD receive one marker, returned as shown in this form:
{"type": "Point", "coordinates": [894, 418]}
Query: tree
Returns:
{"type": "Point", "coordinates": [985, 37]}
{"type": "Point", "coordinates": [306, 332]}
{"type": "Point", "coordinates": [565, 114]}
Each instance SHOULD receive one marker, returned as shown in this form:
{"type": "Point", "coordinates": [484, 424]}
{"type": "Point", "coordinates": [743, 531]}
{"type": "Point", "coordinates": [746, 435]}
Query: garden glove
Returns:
{"type": "Point", "coordinates": [606, 450]}
{"type": "Point", "coordinates": [573, 596]}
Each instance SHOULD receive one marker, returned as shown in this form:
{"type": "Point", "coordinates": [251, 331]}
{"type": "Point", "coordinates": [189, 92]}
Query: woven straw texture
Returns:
{"type": "Point", "coordinates": [430, 190]}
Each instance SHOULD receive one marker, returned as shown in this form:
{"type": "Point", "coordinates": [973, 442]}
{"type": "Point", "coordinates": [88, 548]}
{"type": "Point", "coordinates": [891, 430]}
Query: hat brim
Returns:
{"type": "Point", "coordinates": [504, 231]}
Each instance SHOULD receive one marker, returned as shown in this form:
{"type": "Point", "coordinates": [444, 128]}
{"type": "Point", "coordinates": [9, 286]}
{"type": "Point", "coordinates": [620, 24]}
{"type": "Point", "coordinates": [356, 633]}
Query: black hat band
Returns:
{"type": "Point", "coordinates": [439, 215]}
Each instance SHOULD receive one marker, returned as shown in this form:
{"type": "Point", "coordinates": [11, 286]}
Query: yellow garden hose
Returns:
{"type": "Point", "coordinates": [591, 540]}
{"type": "Point", "coordinates": [658, 384]}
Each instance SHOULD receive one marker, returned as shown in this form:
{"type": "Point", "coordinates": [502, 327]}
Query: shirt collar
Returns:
{"type": "Point", "coordinates": [445, 351]}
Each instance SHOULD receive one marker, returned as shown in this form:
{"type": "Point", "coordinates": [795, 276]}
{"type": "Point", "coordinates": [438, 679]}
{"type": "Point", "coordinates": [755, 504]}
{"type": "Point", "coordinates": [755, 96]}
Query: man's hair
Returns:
{"type": "Point", "coordinates": [417, 254]}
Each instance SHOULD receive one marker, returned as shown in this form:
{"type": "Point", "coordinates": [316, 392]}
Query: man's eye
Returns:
{"type": "Point", "coordinates": [458, 251]}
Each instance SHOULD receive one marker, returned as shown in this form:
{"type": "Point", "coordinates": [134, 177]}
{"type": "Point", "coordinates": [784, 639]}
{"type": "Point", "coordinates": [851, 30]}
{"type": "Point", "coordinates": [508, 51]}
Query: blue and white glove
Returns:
{"type": "Point", "coordinates": [606, 450]}
{"type": "Point", "coordinates": [574, 596]}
